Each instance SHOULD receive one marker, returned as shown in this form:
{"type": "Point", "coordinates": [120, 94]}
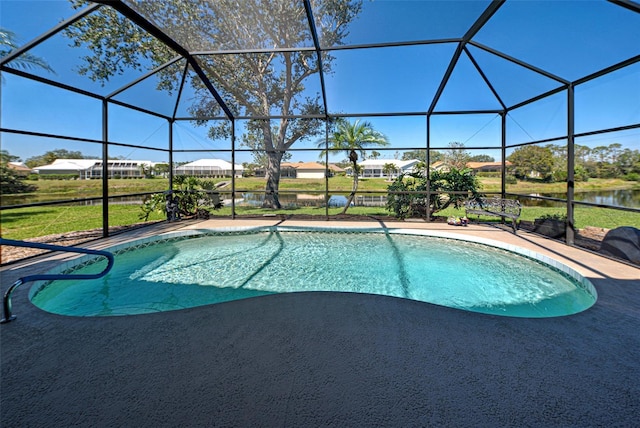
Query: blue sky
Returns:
{"type": "Point", "coordinates": [392, 79]}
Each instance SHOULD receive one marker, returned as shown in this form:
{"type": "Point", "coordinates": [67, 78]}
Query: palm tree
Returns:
{"type": "Point", "coordinates": [26, 60]}
{"type": "Point", "coordinates": [352, 138]}
{"type": "Point", "coordinates": [389, 169]}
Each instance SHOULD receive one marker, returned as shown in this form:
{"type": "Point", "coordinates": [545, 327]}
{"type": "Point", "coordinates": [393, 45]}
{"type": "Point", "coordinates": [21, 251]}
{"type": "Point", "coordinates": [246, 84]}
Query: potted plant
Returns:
{"type": "Point", "coordinates": [551, 225]}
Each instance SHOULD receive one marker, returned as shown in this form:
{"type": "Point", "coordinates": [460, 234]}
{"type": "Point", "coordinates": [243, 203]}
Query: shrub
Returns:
{"type": "Point", "coordinates": [400, 199]}
{"type": "Point", "coordinates": [11, 183]}
{"type": "Point", "coordinates": [489, 174]}
{"type": "Point", "coordinates": [579, 174]}
{"type": "Point", "coordinates": [57, 176]}
{"type": "Point", "coordinates": [632, 176]}
{"type": "Point", "coordinates": [408, 193]}
{"type": "Point", "coordinates": [192, 197]}
{"type": "Point", "coordinates": [560, 217]}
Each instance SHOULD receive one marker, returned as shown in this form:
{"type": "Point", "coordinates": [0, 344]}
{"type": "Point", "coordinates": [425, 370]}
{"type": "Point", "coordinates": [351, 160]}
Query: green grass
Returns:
{"type": "Point", "coordinates": [595, 217]}
{"type": "Point", "coordinates": [336, 184]}
{"type": "Point", "coordinates": [488, 184]}
{"type": "Point", "coordinates": [31, 222]}
{"type": "Point", "coordinates": [583, 216]}
{"type": "Point", "coordinates": [67, 189]}
{"type": "Point", "coordinates": [492, 184]}
{"type": "Point", "coordinates": [39, 221]}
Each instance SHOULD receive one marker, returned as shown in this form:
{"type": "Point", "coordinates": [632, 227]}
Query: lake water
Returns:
{"type": "Point", "coordinates": [622, 198]}
{"type": "Point", "coordinates": [32, 199]}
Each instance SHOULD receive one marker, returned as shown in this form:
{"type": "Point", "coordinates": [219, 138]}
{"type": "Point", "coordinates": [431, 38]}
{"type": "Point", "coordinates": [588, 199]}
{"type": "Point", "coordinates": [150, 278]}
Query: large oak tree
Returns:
{"type": "Point", "coordinates": [531, 161]}
{"type": "Point", "coordinates": [253, 81]}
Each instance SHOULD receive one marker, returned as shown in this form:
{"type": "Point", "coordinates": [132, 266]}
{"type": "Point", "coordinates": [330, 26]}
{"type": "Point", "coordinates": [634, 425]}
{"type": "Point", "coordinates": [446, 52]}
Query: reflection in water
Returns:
{"type": "Point", "coordinates": [317, 200]}
{"type": "Point", "coordinates": [622, 198]}
{"type": "Point", "coordinates": [36, 198]}
{"type": "Point", "coordinates": [337, 201]}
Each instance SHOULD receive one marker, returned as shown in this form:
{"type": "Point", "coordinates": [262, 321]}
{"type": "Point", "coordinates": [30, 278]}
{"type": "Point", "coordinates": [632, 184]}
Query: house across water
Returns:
{"type": "Point", "coordinates": [210, 168]}
{"type": "Point", "coordinates": [86, 169]}
{"type": "Point", "coordinates": [303, 170]}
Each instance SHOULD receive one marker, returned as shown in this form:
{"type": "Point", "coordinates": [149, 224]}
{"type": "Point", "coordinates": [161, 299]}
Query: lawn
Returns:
{"type": "Point", "coordinates": [69, 189]}
{"type": "Point", "coordinates": [32, 222]}
{"type": "Point", "coordinates": [584, 216]}
{"type": "Point", "coordinates": [487, 184]}
{"type": "Point", "coordinates": [66, 189]}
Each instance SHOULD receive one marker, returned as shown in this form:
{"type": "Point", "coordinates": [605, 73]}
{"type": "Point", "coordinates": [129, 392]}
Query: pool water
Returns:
{"type": "Point", "coordinates": [206, 269]}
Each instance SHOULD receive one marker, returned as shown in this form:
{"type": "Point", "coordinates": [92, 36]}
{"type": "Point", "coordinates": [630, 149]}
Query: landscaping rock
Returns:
{"type": "Point", "coordinates": [623, 243]}
{"type": "Point", "coordinates": [550, 227]}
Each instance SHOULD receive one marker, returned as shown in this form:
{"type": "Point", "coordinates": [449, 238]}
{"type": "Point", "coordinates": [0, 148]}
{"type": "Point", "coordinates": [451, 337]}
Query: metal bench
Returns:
{"type": "Point", "coordinates": [497, 207]}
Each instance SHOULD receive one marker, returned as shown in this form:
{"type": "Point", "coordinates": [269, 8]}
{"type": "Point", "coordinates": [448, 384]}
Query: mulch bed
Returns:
{"type": "Point", "coordinates": [9, 254]}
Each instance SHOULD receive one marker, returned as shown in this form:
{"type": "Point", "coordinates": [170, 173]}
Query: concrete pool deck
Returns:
{"type": "Point", "coordinates": [320, 359]}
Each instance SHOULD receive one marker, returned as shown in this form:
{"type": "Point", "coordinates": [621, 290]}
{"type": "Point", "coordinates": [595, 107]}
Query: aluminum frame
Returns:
{"type": "Point", "coordinates": [190, 57]}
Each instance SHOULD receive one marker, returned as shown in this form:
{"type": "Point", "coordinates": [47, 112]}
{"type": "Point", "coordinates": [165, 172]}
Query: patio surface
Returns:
{"type": "Point", "coordinates": [328, 359]}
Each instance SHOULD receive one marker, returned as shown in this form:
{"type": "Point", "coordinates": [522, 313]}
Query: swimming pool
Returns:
{"type": "Point", "coordinates": [196, 268]}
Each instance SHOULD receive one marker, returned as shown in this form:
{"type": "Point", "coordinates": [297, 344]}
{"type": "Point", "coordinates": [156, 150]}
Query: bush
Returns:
{"type": "Point", "coordinates": [579, 174]}
{"type": "Point", "coordinates": [408, 193]}
{"type": "Point", "coordinates": [190, 196]}
{"type": "Point", "coordinates": [58, 176]}
{"type": "Point", "coordinates": [560, 217]}
{"type": "Point", "coordinates": [401, 201]}
{"type": "Point", "coordinates": [11, 183]}
{"type": "Point", "coordinates": [632, 176]}
{"type": "Point", "coordinates": [489, 174]}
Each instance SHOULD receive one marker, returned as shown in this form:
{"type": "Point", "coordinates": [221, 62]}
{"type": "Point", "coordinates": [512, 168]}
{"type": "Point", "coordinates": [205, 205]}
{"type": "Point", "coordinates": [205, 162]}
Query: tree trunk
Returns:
{"type": "Point", "coordinates": [271, 199]}
{"type": "Point", "coordinates": [353, 189]}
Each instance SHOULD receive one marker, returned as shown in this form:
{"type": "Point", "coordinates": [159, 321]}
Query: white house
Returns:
{"type": "Point", "coordinates": [66, 167]}
{"type": "Point", "coordinates": [210, 168]}
{"type": "Point", "coordinates": [302, 170]}
{"type": "Point", "coordinates": [124, 168]}
{"type": "Point", "coordinates": [475, 166]}
{"type": "Point", "coordinates": [374, 168]}
{"type": "Point", "coordinates": [92, 168]}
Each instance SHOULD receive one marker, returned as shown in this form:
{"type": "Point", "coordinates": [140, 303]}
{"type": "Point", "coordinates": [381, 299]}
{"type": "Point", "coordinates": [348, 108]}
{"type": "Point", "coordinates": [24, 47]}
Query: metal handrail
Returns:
{"type": "Point", "coordinates": [6, 302]}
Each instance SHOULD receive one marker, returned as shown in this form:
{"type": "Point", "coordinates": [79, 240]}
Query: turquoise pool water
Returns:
{"type": "Point", "coordinates": [205, 269]}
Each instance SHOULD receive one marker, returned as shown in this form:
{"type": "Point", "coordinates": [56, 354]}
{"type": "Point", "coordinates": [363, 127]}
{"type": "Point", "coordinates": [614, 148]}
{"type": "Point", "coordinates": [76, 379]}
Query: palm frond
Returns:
{"type": "Point", "coordinates": [26, 61]}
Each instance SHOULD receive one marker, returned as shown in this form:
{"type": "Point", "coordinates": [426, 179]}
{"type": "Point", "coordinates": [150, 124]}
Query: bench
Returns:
{"type": "Point", "coordinates": [497, 207]}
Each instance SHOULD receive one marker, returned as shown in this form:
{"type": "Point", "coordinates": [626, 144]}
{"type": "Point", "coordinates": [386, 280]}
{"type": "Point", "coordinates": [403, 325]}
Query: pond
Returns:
{"type": "Point", "coordinates": [622, 198]}
{"type": "Point", "coordinates": [32, 199]}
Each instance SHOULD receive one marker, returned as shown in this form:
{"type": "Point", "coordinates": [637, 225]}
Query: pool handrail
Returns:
{"type": "Point", "coordinates": [6, 302]}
